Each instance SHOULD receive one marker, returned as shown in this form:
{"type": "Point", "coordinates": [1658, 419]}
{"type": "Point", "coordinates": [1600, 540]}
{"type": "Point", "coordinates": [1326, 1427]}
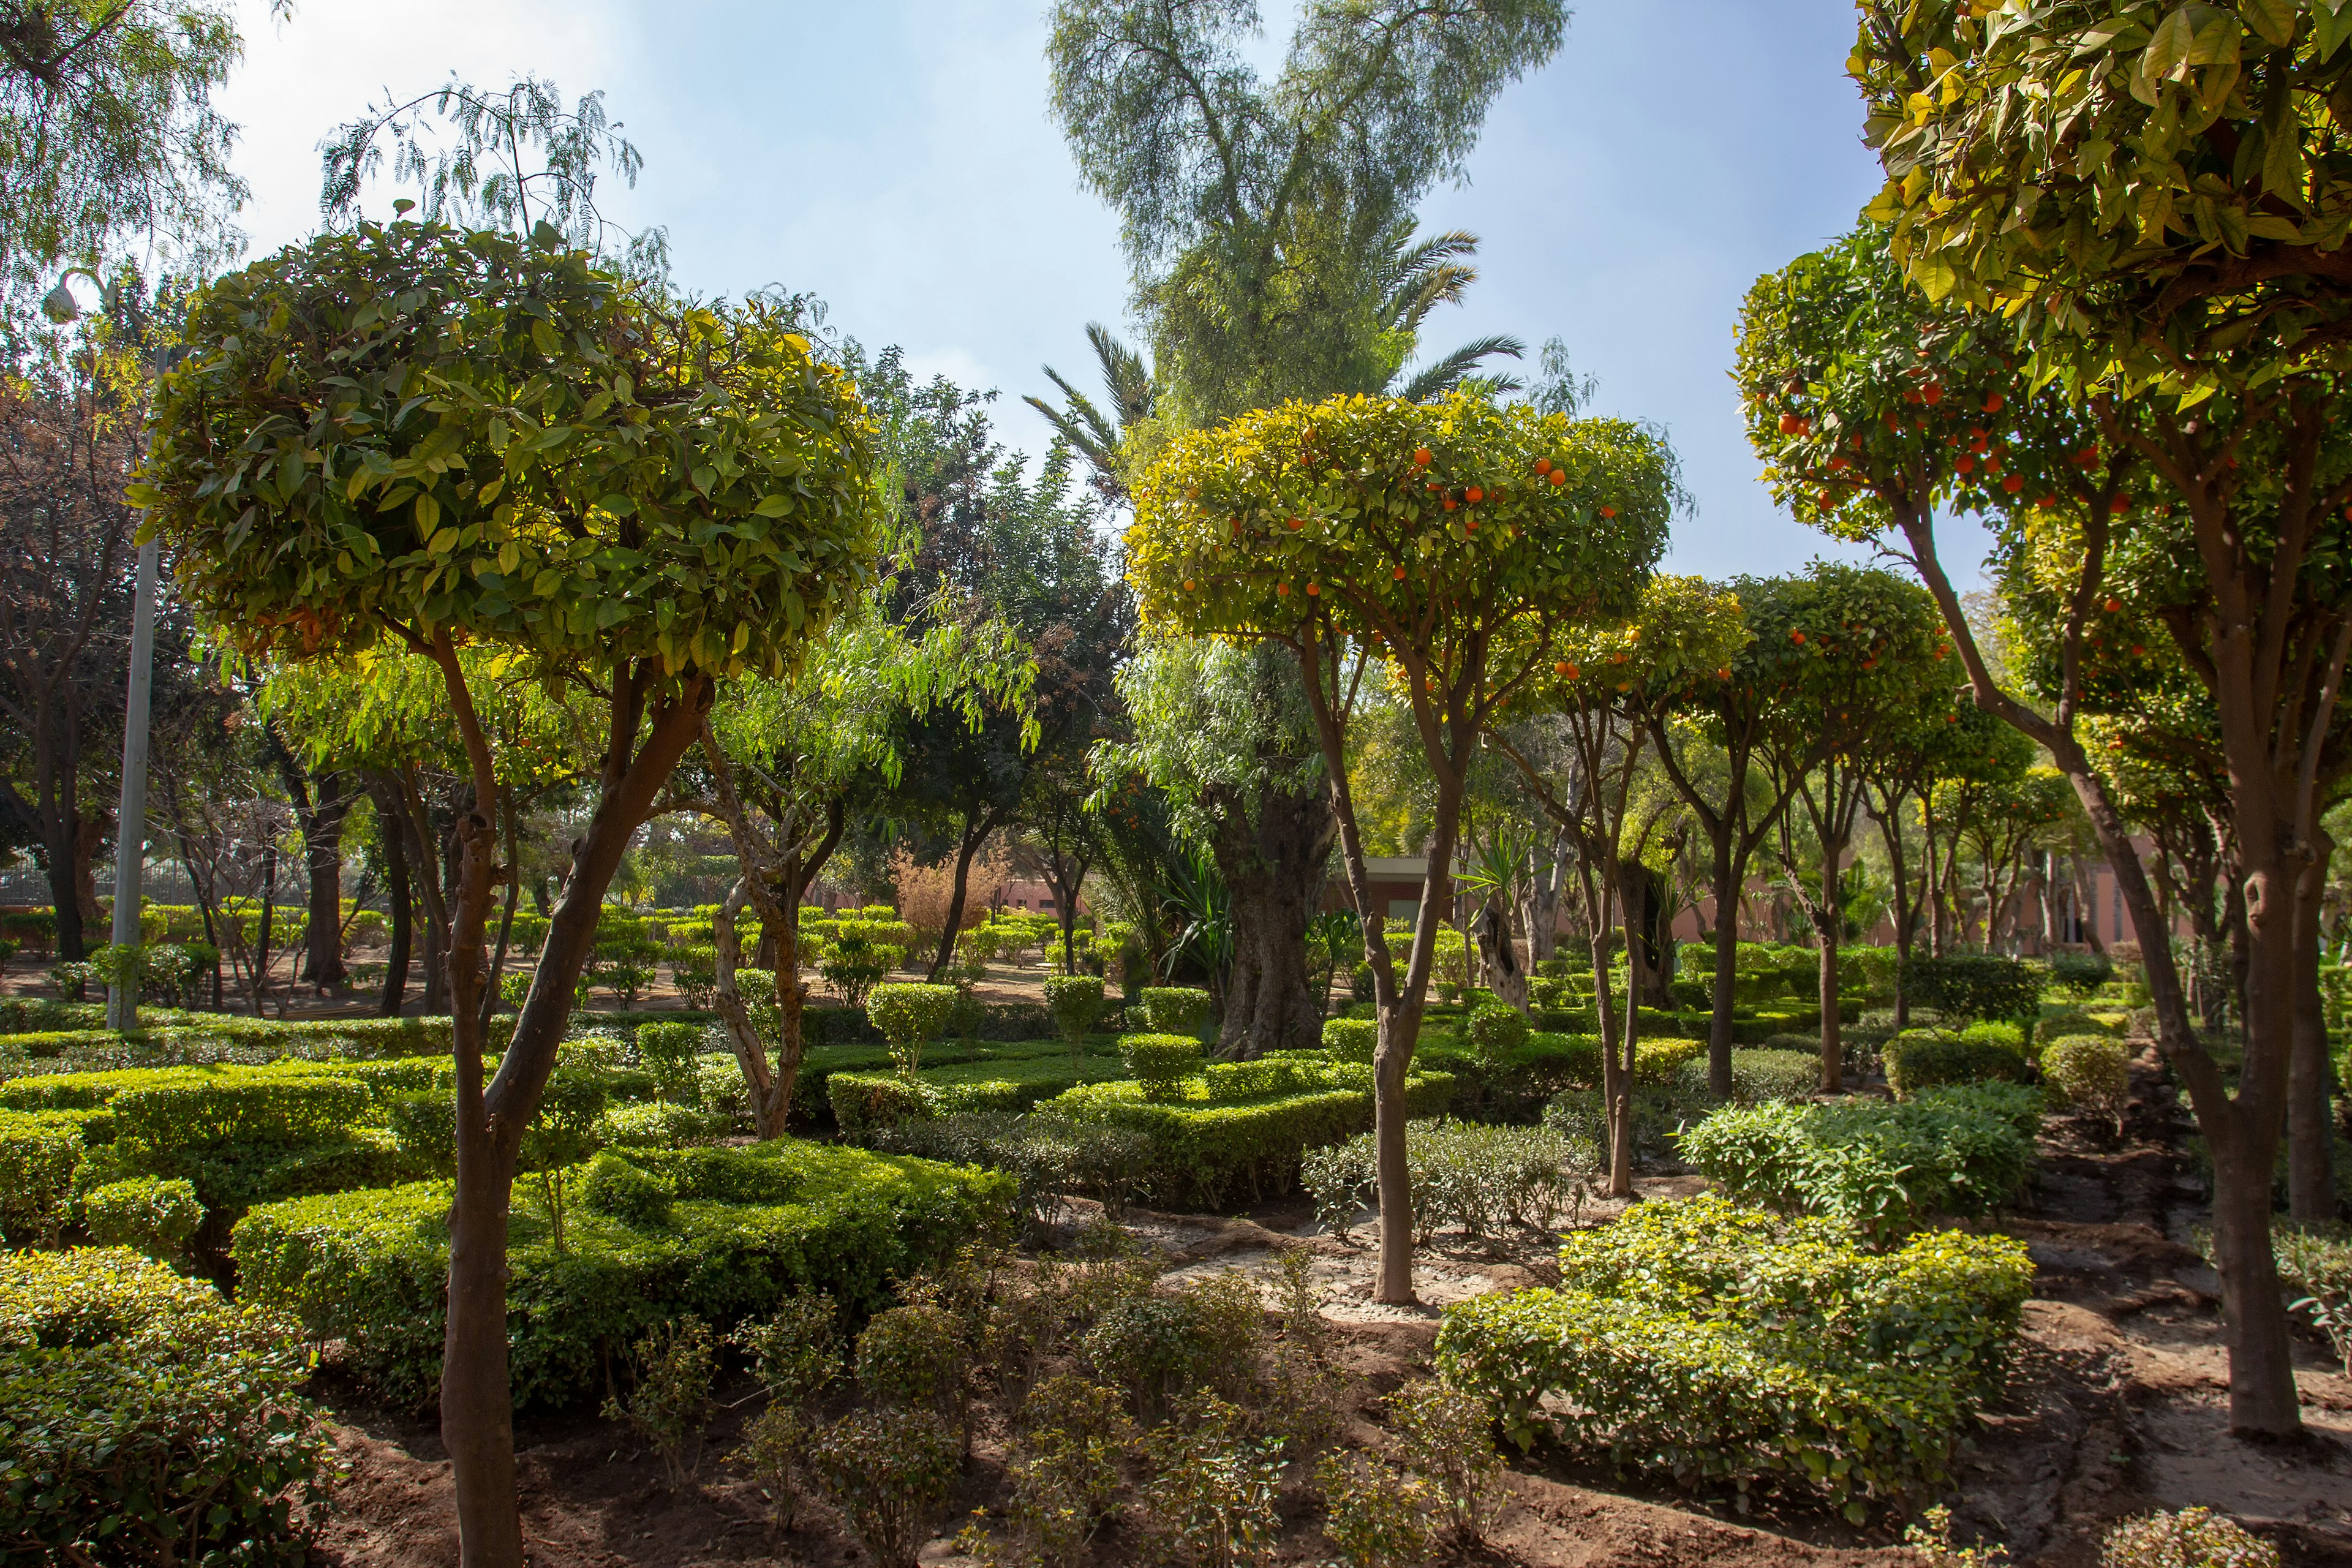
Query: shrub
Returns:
{"type": "Point", "coordinates": [1201, 1153]}
{"type": "Point", "coordinates": [2069, 1021]}
{"type": "Point", "coordinates": [1373, 1517]}
{"type": "Point", "coordinates": [2318, 1263]}
{"type": "Point", "coordinates": [670, 1403]}
{"type": "Point", "coordinates": [611, 1185]}
{"type": "Point", "coordinates": [1972, 985]}
{"type": "Point", "coordinates": [1159, 1062]}
{"type": "Point", "coordinates": [1175, 1009]}
{"type": "Point", "coordinates": [791, 1349]}
{"type": "Point", "coordinates": [914, 1356]}
{"type": "Point", "coordinates": [2193, 1538]}
{"type": "Point", "coordinates": [1758, 1075]}
{"type": "Point", "coordinates": [1351, 1039]}
{"type": "Point", "coordinates": [1884, 1169]}
{"type": "Point", "coordinates": [1445, 1432]}
{"type": "Point", "coordinates": [143, 1419]}
{"type": "Point", "coordinates": [1480, 1178]}
{"type": "Point", "coordinates": [1495, 1033]}
{"type": "Point", "coordinates": [561, 1134]}
{"type": "Point", "coordinates": [1917, 1060]}
{"type": "Point", "coordinates": [1163, 1344]}
{"type": "Point", "coordinates": [38, 1157]}
{"type": "Point", "coordinates": [1724, 1344]}
{"type": "Point", "coordinates": [1063, 1472]}
{"type": "Point", "coordinates": [2082, 972]}
{"type": "Point", "coordinates": [2089, 1073]}
{"type": "Point", "coordinates": [695, 971]}
{"type": "Point", "coordinates": [887, 1471]}
{"type": "Point", "coordinates": [750, 1227]}
{"type": "Point", "coordinates": [145, 1213]}
{"type": "Point", "coordinates": [1076, 1002]}
{"type": "Point", "coordinates": [669, 1052]}
{"type": "Point", "coordinates": [907, 1015]}
{"type": "Point", "coordinates": [1212, 1488]}
{"type": "Point", "coordinates": [854, 968]}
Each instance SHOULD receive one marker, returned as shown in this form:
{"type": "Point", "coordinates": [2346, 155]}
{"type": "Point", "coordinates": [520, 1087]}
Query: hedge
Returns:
{"type": "Point", "coordinates": [1885, 1169]}
{"type": "Point", "coordinates": [1204, 1151]}
{"type": "Point", "coordinates": [1972, 985]}
{"type": "Point", "coordinates": [142, 1418]}
{"type": "Point", "coordinates": [1721, 1344]}
{"type": "Point", "coordinates": [38, 1157]}
{"type": "Point", "coordinates": [746, 1226]}
{"type": "Point", "coordinates": [1918, 1059]}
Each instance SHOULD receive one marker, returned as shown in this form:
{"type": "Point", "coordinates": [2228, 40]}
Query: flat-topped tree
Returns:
{"type": "Point", "coordinates": [1449, 544]}
{"type": "Point", "coordinates": [452, 441]}
{"type": "Point", "coordinates": [1605, 691]}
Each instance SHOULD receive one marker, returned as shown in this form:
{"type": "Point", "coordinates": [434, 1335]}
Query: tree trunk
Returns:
{"type": "Point", "coordinates": [1275, 869]}
{"type": "Point", "coordinates": [323, 854]}
{"type": "Point", "coordinates": [1829, 923]}
{"type": "Point", "coordinates": [769, 1107]}
{"type": "Point", "coordinates": [1505, 977]}
{"type": "Point", "coordinates": [975, 834]}
{"type": "Point", "coordinates": [400, 898]}
{"type": "Point", "coordinates": [476, 1405]}
{"type": "Point", "coordinates": [1729, 872]}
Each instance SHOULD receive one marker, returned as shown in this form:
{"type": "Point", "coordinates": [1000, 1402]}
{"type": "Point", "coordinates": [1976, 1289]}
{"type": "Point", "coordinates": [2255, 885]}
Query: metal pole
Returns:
{"type": "Point", "coordinates": [131, 842]}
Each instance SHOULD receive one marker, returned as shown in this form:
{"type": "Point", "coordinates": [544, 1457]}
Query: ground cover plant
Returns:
{"type": "Point", "coordinates": [1723, 1345]}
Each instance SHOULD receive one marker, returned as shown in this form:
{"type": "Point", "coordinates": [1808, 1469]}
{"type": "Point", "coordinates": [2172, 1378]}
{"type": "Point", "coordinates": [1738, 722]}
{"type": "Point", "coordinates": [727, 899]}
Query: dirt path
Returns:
{"type": "Point", "coordinates": [2117, 1405]}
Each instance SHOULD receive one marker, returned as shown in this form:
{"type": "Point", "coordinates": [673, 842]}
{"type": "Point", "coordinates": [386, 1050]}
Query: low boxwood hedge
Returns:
{"type": "Point", "coordinates": [1206, 1152]}
{"type": "Point", "coordinates": [1885, 1168]}
{"type": "Point", "coordinates": [745, 1227]}
{"type": "Point", "coordinates": [143, 1419]}
{"type": "Point", "coordinates": [1719, 1345]}
{"type": "Point", "coordinates": [1920, 1060]}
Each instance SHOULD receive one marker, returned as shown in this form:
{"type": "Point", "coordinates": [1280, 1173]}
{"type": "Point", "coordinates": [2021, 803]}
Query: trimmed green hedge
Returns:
{"type": "Point", "coordinates": [1205, 1153]}
{"type": "Point", "coordinates": [745, 1227]}
{"type": "Point", "coordinates": [1885, 1169]}
{"type": "Point", "coordinates": [1918, 1059]}
{"type": "Point", "coordinates": [143, 1419]}
{"type": "Point", "coordinates": [1720, 1345]}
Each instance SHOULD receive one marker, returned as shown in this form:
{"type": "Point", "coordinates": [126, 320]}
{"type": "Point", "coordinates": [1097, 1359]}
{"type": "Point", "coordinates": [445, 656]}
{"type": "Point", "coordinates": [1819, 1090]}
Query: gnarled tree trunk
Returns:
{"type": "Point", "coordinates": [1275, 869]}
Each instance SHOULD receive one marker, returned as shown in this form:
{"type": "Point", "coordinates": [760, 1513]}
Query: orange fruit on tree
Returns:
{"type": "Point", "coordinates": [2014, 483]}
{"type": "Point", "coordinates": [1560, 475]}
{"type": "Point", "coordinates": [2114, 604]}
{"type": "Point", "coordinates": [1421, 457]}
{"type": "Point", "coordinates": [1993, 403]}
{"type": "Point", "coordinates": [1609, 511]}
{"type": "Point", "coordinates": [1473, 495]}
{"type": "Point", "coordinates": [1398, 573]}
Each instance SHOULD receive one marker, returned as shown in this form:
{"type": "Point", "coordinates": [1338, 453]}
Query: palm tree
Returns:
{"type": "Point", "coordinates": [1411, 277]}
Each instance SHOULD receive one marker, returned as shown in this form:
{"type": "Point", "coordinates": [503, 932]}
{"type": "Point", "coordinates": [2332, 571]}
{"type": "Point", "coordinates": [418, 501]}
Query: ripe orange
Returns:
{"type": "Point", "coordinates": [1788, 424]}
{"type": "Point", "coordinates": [1188, 584]}
{"type": "Point", "coordinates": [1560, 475]}
{"type": "Point", "coordinates": [1609, 511]}
{"type": "Point", "coordinates": [1313, 589]}
{"type": "Point", "coordinates": [1421, 457]}
{"type": "Point", "coordinates": [1993, 403]}
{"type": "Point", "coordinates": [2114, 604]}
{"type": "Point", "coordinates": [2120, 505]}
{"type": "Point", "coordinates": [1449, 503]}
{"type": "Point", "coordinates": [1798, 636]}
{"type": "Point", "coordinates": [1473, 495]}
{"type": "Point", "coordinates": [2013, 484]}
{"type": "Point", "coordinates": [1965, 464]}
{"type": "Point", "coordinates": [1560, 668]}
{"type": "Point", "coordinates": [1399, 573]}
{"type": "Point", "coordinates": [1543, 465]}
{"type": "Point", "coordinates": [1932, 393]}
{"type": "Point", "coordinates": [1282, 590]}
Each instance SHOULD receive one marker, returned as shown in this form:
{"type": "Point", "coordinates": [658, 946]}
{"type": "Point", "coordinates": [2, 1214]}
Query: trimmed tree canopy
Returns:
{"type": "Point", "coordinates": [409, 428]}
{"type": "Point", "coordinates": [1424, 527]}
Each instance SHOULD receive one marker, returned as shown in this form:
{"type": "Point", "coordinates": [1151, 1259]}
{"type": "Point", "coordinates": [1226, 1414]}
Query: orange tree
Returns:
{"type": "Point", "coordinates": [450, 441]}
{"type": "Point", "coordinates": [2165, 235]}
{"type": "Point", "coordinates": [1603, 696]}
{"type": "Point", "coordinates": [1452, 543]}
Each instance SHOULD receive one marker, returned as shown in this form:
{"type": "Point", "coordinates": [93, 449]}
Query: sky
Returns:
{"type": "Point", "coordinates": [896, 158]}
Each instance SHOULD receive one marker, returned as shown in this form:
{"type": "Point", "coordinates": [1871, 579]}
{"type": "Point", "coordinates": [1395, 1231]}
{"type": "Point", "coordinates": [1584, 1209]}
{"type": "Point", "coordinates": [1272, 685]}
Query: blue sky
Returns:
{"type": "Point", "coordinates": [897, 159]}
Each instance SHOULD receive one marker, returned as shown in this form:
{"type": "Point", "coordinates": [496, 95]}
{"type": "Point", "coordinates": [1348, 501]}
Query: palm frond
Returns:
{"type": "Point", "coordinates": [1444, 375]}
{"type": "Point", "coordinates": [1125, 375]}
